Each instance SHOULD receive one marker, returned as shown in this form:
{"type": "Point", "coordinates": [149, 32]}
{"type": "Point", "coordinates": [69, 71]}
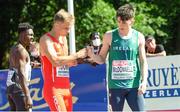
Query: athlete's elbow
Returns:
{"type": "Point", "coordinates": [164, 53]}
{"type": "Point", "coordinates": [56, 63]}
{"type": "Point", "coordinates": [101, 61]}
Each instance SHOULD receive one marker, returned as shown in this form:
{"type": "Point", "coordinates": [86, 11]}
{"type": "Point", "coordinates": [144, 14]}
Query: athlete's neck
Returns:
{"type": "Point", "coordinates": [124, 32]}
{"type": "Point", "coordinates": [55, 35]}
{"type": "Point", "coordinates": [23, 44]}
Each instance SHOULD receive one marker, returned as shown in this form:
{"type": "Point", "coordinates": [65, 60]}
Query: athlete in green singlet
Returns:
{"type": "Point", "coordinates": [127, 65]}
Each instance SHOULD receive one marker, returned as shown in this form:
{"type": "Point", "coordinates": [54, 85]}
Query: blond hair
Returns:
{"type": "Point", "coordinates": [64, 16]}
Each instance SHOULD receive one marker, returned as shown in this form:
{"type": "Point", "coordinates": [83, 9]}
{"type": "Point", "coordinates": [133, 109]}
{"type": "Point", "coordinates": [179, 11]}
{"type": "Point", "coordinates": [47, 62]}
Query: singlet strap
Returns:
{"type": "Point", "coordinates": [53, 39]}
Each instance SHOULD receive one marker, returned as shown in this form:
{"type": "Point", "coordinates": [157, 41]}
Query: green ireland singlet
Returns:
{"type": "Point", "coordinates": [123, 66]}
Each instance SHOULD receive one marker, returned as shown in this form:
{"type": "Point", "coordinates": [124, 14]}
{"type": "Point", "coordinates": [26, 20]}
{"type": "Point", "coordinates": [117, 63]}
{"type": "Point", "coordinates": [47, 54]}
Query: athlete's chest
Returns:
{"type": "Point", "coordinates": [123, 45]}
{"type": "Point", "coordinates": [61, 49]}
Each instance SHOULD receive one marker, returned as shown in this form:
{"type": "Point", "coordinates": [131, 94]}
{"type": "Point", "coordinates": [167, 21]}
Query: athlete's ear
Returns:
{"type": "Point", "coordinates": [132, 21]}
{"type": "Point", "coordinates": [118, 18]}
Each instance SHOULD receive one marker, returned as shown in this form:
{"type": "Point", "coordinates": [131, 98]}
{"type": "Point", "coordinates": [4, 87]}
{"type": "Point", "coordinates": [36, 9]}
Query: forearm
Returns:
{"type": "Point", "coordinates": [163, 53]}
{"type": "Point", "coordinates": [156, 54]}
{"type": "Point", "coordinates": [64, 60]}
{"type": "Point", "coordinates": [144, 71]}
{"type": "Point", "coordinates": [24, 86]}
{"type": "Point", "coordinates": [98, 59]}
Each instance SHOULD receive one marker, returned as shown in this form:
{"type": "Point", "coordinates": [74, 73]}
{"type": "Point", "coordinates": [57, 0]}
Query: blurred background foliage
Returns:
{"type": "Point", "coordinates": [159, 18]}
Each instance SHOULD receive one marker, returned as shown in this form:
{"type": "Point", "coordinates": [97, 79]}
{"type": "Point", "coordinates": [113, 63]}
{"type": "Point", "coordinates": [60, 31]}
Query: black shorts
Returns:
{"type": "Point", "coordinates": [16, 98]}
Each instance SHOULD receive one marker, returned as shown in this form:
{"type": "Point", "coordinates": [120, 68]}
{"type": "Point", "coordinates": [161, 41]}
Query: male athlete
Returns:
{"type": "Point", "coordinates": [127, 65]}
{"type": "Point", "coordinates": [56, 63]}
{"type": "Point", "coordinates": [19, 73]}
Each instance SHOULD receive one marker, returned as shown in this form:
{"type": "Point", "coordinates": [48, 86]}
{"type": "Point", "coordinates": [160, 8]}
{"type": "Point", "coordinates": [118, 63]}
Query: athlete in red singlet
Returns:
{"type": "Point", "coordinates": [56, 63]}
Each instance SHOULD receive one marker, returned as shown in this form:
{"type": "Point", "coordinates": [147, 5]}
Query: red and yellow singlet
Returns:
{"type": "Point", "coordinates": [56, 88]}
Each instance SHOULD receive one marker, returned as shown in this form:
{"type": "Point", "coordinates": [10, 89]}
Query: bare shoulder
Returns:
{"type": "Point", "coordinates": [108, 37]}
{"type": "Point", "coordinates": [140, 35]}
{"type": "Point", "coordinates": [44, 43]}
{"type": "Point", "coordinates": [43, 39]}
{"type": "Point", "coordinates": [108, 34]}
{"type": "Point", "coordinates": [141, 39]}
{"type": "Point", "coordinates": [18, 52]}
{"type": "Point", "coordinates": [23, 53]}
{"type": "Point", "coordinates": [18, 56]}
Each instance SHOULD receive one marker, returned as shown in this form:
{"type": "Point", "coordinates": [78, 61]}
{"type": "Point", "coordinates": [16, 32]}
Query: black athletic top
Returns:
{"type": "Point", "coordinates": [159, 49]}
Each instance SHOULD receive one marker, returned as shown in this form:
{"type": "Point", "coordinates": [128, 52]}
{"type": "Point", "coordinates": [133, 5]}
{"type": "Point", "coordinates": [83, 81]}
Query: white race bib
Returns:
{"type": "Point", "coordinates": [62, 71]}
{"type": "Point", "coordinates": [9, 77]}
{"type": "Point", "coordinates": [122, 69]}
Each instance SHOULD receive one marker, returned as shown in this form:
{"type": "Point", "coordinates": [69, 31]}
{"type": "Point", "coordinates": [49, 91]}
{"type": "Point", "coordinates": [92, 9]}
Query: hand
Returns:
{"type": "Point", "coordinates": [80, 60]}
{"type": "Point", "coordinates": [90, 60]}
{"type": "Point", "coordinates": [73, 63]}
{"type": "Point", "coordinates": [35, 64]}
{"type": "Point", "coordinates": [142, 88]}
{"type": "Point", "coordinates": [82, 53]}
{"type": "Point", "coordinates": [28, 102]}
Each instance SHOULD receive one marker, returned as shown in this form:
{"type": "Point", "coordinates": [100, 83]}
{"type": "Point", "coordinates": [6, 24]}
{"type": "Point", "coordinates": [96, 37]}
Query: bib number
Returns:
{"type": "Point", "coordinates": [9, 78]}
{"type": "Point", "coordinates": [122, 69]}
{"type": "Point", "coordinates": [62, 71]}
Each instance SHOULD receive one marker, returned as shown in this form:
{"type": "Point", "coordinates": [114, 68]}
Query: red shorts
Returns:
{"type": "Point", "coordinates": [58, 99]}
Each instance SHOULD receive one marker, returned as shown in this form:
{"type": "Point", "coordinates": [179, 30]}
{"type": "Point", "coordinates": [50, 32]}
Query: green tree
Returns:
{"type": "Point", "coordinates": [160, 18]}
{"type": "Point", "coordinates": [39, 13]}
{"type": "Point", "coordinates": [100, 17]}
{"type": "Point", "coordinates": [9, 18]}
{"type": "Point", "coordinates": [157, 17]}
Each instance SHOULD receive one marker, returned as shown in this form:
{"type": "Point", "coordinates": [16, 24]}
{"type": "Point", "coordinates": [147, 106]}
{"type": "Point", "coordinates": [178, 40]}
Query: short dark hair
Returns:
{"type": "Point", "coordinates": [126, 12]}
{"type": "Point", "coordinates": [24, 26]}
{"type": "Point", "coordinates": [149, 37]}
{"type": "Point", "coordinates": [93, 34]}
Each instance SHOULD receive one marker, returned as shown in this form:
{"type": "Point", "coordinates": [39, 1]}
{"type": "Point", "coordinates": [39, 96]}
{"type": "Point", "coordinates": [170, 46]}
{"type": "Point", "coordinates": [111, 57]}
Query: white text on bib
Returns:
{"type": "Point", "coordinates": [122, 69]}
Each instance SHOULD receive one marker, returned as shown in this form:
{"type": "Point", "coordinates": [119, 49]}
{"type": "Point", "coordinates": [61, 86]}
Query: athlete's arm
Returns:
{"type": "Point", "coordinates": [160, 50]}
{"type": "Point", "coordinates": [143, 63]}
{"type": "Point", "coordinates": [163, 53]}
{"type": "Point", "coordinates": [22, 58]}
{"type": "Point", "coordinates": [101, 57]}
{"type": "Point", "coordinates": [47, 49]}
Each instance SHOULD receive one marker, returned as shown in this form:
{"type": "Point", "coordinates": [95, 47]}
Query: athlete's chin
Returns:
{"type": "Point", "coordinates": [64, 34]}
{"type": "Point", "coordinates": [122, 28]}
